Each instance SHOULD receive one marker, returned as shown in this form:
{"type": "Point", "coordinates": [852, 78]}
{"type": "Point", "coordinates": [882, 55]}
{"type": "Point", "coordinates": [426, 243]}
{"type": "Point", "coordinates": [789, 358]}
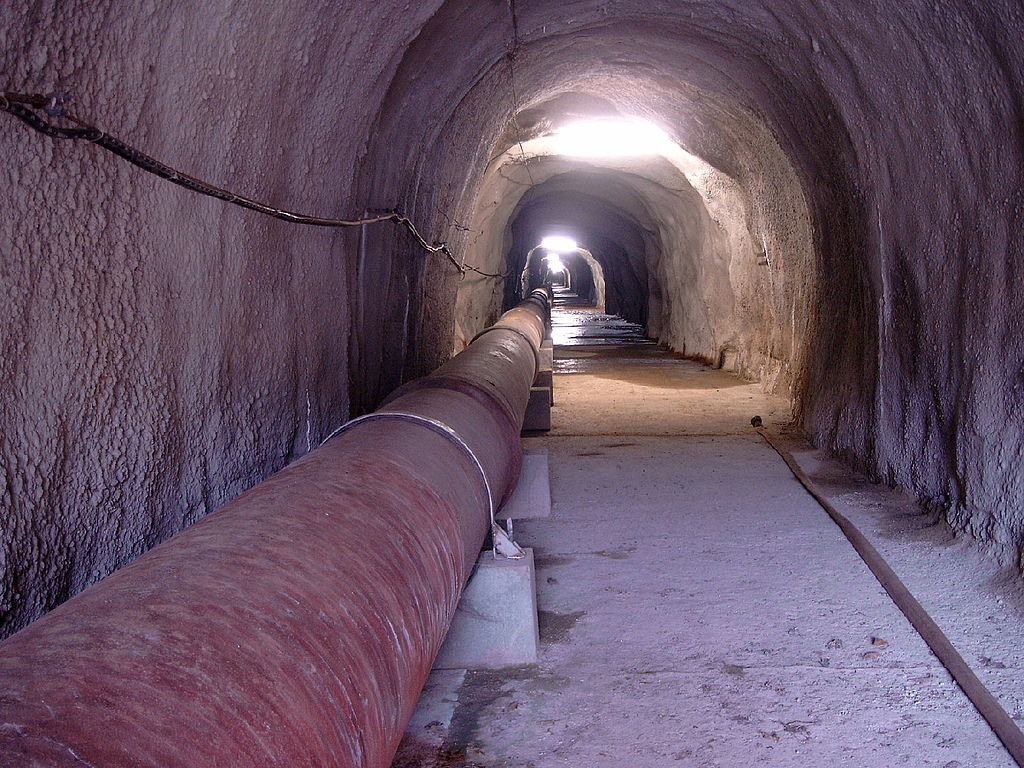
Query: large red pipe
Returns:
{"type": "Point", "coordinates": [296, 625]}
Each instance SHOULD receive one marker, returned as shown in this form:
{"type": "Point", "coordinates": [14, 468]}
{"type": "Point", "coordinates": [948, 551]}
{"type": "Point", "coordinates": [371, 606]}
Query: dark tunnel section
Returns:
{"type": "Point", "coordinates": [617, 240]}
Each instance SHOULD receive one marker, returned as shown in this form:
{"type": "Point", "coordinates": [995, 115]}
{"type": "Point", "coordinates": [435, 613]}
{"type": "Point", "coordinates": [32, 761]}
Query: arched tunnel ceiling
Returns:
{"type": "Point", "coordinates": [850, 230]}
{"type": "Point", "coordinates": [813, 109]}
{"type": "Point", "coordinates": [683, 243]}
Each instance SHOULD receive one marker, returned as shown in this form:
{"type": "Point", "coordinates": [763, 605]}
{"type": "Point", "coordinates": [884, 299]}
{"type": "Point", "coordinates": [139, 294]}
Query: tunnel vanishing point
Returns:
{"type": "Point", "coordinates": [822, 197]}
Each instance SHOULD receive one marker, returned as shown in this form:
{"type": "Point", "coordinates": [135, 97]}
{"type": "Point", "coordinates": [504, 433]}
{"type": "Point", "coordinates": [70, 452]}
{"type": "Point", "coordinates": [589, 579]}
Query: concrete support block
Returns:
{"type": "Point", "coordinates": [538, 410]}
{"type": "Point", "coordinates": [532, 496]}
{"type": "Point", "coordinates": [547, 355]}
{"type": "Point", "coordinates": [545, 376]}
{"type": "Point", "coordinates": [495, 624]}
{"type": "Point", "coordinates": [546, 379]}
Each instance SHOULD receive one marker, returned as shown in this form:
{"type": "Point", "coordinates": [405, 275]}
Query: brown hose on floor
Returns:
{"type": "Point", "coordinates": [983, 700]}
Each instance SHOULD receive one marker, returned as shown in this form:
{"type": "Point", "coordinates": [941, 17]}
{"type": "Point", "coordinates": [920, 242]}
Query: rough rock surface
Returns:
{"type": "Point", "coordinates": [159, 352]}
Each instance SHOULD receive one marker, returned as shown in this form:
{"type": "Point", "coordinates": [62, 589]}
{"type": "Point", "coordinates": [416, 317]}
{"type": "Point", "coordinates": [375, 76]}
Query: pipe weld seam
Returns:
{"type": "Point", "coordinates": [437, 426]}
{"type": "Point", "coordinates": [536, 351]}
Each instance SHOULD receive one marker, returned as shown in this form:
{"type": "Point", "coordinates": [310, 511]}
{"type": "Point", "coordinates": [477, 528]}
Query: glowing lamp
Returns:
{"type": "Point", "coordinates": [554, 263]}
{"type": "Point", "coordinates": [611, 138]}
{"type": "Point", "coordinates": [558, 244]}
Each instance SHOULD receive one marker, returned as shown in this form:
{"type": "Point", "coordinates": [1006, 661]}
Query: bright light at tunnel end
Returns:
{"type": "Point", "coordinates": [558, 244]}
{"type": "Point", "coordinates": [611, 138]}
{"type": "Point", "coordinates": [554, 263]}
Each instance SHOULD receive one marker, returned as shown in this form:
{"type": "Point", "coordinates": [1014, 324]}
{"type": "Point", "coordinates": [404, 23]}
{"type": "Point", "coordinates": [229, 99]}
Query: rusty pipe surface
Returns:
{"type": "Point", "coordinates": [296, 624]}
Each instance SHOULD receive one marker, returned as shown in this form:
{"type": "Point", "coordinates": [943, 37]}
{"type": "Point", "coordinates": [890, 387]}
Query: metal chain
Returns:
{"type": "Point", "coordinates": [27, 108]}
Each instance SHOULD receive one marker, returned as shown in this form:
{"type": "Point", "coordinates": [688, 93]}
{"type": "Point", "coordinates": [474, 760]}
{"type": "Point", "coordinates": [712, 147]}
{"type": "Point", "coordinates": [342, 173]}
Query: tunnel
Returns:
{"type": "Point", "coordinates": [231, 230]}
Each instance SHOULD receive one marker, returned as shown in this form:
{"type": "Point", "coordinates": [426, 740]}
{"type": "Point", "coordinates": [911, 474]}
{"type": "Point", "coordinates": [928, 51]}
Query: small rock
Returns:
{"type": "Point", "coordinates": [987, 661]}
{"type": "Point", "coordinates": [834, 644]}
{"type": "Point", "coordinates": [756, 421]}
{"type": "Point", "coordinates": [798, 727]}
{"type": "Point", "coordinates": [879, 641]}
{"type": "Point", "coordinates": [872, 655]}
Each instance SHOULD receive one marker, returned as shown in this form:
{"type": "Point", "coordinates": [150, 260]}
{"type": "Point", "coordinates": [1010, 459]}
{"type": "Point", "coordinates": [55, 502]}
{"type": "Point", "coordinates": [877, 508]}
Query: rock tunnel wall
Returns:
{"type": "Point", "coordinates": [161, 352]}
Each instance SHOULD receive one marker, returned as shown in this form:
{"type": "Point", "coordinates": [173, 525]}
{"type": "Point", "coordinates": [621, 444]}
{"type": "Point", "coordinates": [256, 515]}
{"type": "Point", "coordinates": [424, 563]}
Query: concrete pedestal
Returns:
{"type": "Point", "coordinates": [546, 374]}
{"type": "Point", "coordinates": [538, 410]}
{"type": "Point", "coordinates": [495, 624]}
{"type": "Point", "coordinates": [532, 497]}
{"type": "Point", "coordinates": [547, 355]}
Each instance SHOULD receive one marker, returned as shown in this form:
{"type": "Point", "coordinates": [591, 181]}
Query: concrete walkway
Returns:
{"type": "Point", "coordinates": [699, 609]}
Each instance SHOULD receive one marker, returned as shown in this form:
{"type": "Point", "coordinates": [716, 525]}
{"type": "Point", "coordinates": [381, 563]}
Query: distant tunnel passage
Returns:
{"type": "Point", "coordinates": [574, 268]}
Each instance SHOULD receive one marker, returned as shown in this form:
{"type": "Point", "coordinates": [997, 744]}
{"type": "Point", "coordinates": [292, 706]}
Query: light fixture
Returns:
{"type": "Point", "coordinates": [611, 138]}
{"type": "Point", "coordinates": [554, 263]}
{"type": "Point", "coordinates": [558, 244]}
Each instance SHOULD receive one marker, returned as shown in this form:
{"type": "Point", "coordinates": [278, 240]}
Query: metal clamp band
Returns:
{"type": "Point", "coordinates": [502, 541]}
